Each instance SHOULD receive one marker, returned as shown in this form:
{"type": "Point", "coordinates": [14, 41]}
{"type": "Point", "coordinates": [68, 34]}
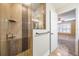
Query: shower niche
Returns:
{"type": "Point", "coordinates": [15, 30]}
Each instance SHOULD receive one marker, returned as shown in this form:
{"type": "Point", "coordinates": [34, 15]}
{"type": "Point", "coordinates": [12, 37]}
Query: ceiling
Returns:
{"type": "Point", "coordinates": [56, 5]}
{"type": "Point", "coordinates": [59, 6]}
{"type": "Point", "coordinates": [35, 5]}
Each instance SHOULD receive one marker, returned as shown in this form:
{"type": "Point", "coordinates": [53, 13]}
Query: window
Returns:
{"type": "Point", "coordinates": [64, 28]}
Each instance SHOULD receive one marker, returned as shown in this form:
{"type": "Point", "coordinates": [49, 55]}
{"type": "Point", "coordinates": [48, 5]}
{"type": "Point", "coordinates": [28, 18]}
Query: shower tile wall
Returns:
{"type": "Point", "coordinates": [16, 29]}
{"type": "Point", "coordinates": [14, 47]}
{"type": "Point", "coordinates": [19, 45]}
{"type": "Point", "coordinates": [4, 15]}
{"type": "Point", "coordinates": [24, 28]}
{"type": "Point", "coordinates": [7, 12]}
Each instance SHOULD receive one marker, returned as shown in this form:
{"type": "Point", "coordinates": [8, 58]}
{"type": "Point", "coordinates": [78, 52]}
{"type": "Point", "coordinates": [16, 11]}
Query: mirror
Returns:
{"type": "Point", "coordinates": [39, 15]}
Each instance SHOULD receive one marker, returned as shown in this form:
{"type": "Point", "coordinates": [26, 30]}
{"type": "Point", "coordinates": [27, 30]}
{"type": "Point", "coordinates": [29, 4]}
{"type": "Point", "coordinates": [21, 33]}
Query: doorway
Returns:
{"type": "Point", "coordinates": [67, 33]}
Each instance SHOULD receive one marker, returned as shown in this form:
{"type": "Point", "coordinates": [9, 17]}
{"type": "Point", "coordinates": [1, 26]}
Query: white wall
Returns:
{"type": "Point", "coordinates": [77, 30]}
{"type": "Point", "coordinates": [54, 30]}
{"type": "Point", "coordinates": [53, 18]}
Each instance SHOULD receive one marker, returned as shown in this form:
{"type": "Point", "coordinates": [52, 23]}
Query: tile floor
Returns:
{"type": "Point", "coordinates": [66, 46]}
{"type": "Point", "coordinates": [61, 51]}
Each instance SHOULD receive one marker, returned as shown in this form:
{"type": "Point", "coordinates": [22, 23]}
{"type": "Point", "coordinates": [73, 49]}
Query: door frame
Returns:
{"type": "Point", "coordinates": [76, 38]}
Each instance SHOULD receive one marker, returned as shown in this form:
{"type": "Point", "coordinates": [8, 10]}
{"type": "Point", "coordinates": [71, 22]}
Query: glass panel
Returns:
{"type": "Point", "coordinates": [39, 16]}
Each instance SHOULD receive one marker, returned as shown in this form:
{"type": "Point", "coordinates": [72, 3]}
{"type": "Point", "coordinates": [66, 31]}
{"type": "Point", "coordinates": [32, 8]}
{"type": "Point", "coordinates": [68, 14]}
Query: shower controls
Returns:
{"type": "Point", "coordinates": [10, 35]}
